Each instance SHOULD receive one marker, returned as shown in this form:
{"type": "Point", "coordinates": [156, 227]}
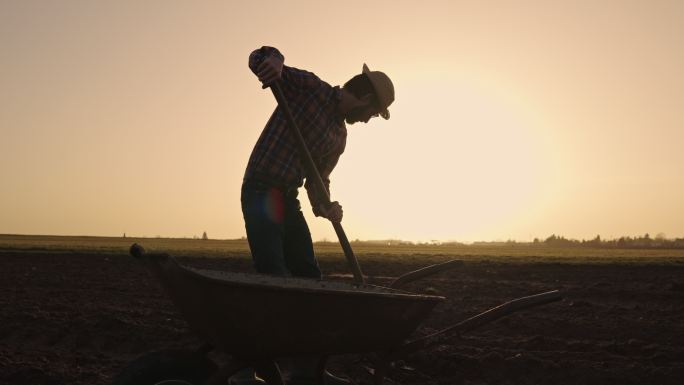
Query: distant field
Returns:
{"type": "Point", "coordinates": [368, 251]}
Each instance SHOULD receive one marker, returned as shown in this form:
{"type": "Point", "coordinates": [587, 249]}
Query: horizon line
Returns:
{"type": "Point", "coordinates": [357, 240]}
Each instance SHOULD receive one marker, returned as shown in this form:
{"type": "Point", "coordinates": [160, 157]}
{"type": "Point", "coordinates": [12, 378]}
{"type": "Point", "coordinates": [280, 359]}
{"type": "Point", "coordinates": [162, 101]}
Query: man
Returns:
{"type": "Point", "coordinates": [277, 232]}
{"type": "Point", "coordinates": [278, 235]}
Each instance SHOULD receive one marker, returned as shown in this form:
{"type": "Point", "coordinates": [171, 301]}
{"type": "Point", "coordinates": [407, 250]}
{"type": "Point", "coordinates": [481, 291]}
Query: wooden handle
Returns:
{"type": "Point", "coordinates": [312, 172]}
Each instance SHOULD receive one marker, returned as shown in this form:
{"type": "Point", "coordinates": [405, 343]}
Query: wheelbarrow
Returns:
{"type": "Point", "coordinates": [256, 319]}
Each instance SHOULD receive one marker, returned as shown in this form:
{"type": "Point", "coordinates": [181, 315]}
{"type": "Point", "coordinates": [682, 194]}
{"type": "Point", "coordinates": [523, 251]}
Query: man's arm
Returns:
{"type": "Point", "coordinates": [267, 64]}
{"type": "Point", "coordinates": [333, 211]}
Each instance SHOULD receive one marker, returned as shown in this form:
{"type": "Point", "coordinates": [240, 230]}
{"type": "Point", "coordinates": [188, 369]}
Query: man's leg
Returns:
{"type": "Point", "coordinates": [264, 214]}
{"type": "Point", "coordinates": [297, 245]}
{"type": "Point", "coordinates": [263, 211]}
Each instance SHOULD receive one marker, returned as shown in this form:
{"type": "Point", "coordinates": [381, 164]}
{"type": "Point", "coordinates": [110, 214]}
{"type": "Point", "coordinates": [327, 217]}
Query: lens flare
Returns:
{"type": "Point", "coordinates": [274, 206]}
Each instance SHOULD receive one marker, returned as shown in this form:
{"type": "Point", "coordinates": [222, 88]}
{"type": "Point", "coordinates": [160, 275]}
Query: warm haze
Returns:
{"type": "Point", "coordinates": [512, 120]}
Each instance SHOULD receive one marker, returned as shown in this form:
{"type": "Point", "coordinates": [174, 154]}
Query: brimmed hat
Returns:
{"type": "Point", "coordinates": [384, 89]}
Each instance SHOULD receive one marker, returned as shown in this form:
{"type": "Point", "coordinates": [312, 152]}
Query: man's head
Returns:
{"type": "Point", "coordinates": [374, 92]}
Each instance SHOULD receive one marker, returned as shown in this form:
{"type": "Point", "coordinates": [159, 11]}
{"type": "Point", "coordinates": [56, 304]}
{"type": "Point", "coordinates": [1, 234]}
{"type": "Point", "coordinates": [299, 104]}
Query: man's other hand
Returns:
{"type": "Point", "coordinates": [333, 211]}
{"type": "Point", "coordinates": [270, 70]}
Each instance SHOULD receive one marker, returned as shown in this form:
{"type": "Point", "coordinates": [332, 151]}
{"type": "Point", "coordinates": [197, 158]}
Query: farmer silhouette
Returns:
{"type": "Point", "coordinates": [278, 235]}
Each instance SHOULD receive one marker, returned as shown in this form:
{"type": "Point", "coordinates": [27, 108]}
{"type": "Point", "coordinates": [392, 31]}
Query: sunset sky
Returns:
{"type": "Point", "coordinates": [512, 119]}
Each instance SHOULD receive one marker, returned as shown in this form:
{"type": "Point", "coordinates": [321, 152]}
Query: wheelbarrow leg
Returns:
{"type": "Point", "coordinates": [269, 371]}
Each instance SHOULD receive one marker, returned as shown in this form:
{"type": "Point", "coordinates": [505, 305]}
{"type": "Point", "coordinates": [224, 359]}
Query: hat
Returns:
{"type": "Point", "coordinates": [384, 89]}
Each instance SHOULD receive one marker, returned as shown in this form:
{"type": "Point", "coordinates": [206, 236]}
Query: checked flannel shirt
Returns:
{"type": "Point", "coordinates": [313, 102]}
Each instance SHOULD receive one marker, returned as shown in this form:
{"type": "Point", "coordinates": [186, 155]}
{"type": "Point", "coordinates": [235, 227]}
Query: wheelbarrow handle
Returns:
{"type": "Point", "coordinates": [312, 172]}
{"type": "Point", "coordinates": [478, 320]}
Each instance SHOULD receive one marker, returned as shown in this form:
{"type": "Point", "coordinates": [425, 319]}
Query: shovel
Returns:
{"type": "Point", "coordinates": [312, 172]}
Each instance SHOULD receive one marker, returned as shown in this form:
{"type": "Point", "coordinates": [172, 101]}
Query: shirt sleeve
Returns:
{"type": "Point", "coordinates": [325, 167]}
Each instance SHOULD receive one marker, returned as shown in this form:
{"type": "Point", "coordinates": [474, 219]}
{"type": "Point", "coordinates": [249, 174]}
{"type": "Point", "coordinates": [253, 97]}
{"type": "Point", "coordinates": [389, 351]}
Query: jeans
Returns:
{"type": "Point", "coordinates": [278, 235]}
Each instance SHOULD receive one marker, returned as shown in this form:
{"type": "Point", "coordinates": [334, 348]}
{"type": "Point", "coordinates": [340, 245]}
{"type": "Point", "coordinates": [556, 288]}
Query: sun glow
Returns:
{"type": "Point", "coordinates": [459, 161]}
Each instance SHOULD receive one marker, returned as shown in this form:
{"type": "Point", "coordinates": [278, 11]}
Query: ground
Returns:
{"type": "Point", "coordinates": [78, 318]}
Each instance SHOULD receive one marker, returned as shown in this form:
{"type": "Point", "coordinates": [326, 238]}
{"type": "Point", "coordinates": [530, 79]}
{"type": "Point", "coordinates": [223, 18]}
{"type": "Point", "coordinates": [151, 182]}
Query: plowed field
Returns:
{"type": "Point", "coordinates": [79, 318]}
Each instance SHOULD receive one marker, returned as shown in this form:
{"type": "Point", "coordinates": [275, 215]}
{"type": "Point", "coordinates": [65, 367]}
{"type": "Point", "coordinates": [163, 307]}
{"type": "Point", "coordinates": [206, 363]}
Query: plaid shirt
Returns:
{"type": "Point", "coordinates": [313, 102]}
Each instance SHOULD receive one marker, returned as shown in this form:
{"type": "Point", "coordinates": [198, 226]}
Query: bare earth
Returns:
{"type": "Point", "coordinates": [78, 319]}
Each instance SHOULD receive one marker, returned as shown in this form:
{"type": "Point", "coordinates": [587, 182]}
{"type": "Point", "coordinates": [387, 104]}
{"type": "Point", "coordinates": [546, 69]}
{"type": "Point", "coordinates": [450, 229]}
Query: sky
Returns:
{"type": "Point", "coordinates": [512, 119]}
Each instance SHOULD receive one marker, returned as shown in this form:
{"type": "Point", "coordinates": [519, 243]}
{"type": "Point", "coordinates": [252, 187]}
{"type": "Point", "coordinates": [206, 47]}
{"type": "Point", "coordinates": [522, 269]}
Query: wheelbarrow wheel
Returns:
{"type": "Point", "coordinates": [167, 368]}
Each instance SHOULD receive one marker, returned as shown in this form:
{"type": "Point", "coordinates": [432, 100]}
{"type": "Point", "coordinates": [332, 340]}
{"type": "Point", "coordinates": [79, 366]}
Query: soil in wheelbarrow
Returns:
{"type": "Point", "coordinates": [78, 319]}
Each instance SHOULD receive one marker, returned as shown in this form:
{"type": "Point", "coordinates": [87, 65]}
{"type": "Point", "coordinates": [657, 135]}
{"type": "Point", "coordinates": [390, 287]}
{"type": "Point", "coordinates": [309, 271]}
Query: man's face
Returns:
{"type": "Point", "coordinates": [362, 113]}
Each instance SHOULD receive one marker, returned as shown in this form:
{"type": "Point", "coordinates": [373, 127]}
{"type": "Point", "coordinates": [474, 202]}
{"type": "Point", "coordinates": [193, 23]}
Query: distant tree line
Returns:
{"type": "Point", "coordinates": [642, 242]}
{"type": "Point", "coordinates": [638, 242]}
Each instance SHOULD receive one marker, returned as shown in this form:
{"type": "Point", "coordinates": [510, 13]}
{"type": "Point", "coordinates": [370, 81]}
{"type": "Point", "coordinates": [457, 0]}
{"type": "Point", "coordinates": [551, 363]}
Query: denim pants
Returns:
{"type": "Point", "coordinates": [278, 235]}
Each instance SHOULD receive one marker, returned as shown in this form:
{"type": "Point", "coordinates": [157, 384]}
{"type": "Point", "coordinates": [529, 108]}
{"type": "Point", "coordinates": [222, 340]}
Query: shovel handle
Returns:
{"type": "Point", "coordinates": [312, 172]}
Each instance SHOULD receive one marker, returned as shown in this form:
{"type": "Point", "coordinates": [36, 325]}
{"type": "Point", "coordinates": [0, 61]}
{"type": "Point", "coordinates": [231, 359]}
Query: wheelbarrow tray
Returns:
{"type": "Point", "coordinates": [255, 316]}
